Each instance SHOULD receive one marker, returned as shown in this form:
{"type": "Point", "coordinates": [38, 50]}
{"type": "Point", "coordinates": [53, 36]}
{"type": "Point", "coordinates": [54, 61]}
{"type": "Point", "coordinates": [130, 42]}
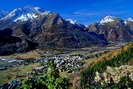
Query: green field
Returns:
{"type": "Point", "coordinates": [13, 73]}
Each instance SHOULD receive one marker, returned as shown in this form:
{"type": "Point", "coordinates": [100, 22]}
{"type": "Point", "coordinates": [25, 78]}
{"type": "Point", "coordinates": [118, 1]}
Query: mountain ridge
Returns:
{"type": "Point", "coordinates": [115, 30]}
{"type": "Point", "coordinates": [37, 28]}
{"type": "Point", "coordinates": [46, 31]}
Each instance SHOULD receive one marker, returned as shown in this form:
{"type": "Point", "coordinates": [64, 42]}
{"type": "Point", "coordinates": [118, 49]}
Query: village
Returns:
{"type": "Point", "coordinates": [64, 63]}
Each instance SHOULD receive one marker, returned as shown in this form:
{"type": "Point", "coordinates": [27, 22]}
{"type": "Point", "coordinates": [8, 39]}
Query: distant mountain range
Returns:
{"type": "Point", "coordinates": [114, 29]}
{"type": "Point", "coordinates": [27, 28]}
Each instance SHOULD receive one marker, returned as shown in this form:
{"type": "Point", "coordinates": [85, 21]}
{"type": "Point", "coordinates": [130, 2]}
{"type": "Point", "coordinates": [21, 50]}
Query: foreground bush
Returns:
{"type": "Point", "coordinates": [50, 80]}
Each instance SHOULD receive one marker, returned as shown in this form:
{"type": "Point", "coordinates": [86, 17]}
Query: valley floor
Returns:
{"type": "Point", "coordinates": [80, 59]}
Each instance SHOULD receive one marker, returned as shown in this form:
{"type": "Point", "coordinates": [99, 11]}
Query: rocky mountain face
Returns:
{"type": "Point", "coordinates": [114, 29]}
{"type": "Point", "coordinates": [28, 28]}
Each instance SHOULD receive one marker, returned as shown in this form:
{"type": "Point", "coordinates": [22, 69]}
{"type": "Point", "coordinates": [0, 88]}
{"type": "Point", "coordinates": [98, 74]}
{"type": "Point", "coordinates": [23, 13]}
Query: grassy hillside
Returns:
{"type": "Point", "coordinates": [115, 58]}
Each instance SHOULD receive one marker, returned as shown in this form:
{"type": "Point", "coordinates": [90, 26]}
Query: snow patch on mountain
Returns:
{"type": "Point", "coordinates": [26, 17]}
{"type": "Point", "coordinates": [128, 20]}
{"type": "Point", "coordinates": [107, 19]}
{"type": "Point", "coordinates": [25, 14]}
{"type": "Point", "coordinates": [72, 21]}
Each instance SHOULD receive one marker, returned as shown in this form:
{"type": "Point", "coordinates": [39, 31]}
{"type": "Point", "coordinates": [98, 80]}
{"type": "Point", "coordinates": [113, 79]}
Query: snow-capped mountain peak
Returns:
{"type": "Point", "coordinates": [26, 13]}
{"type": "Point", "coordinates": [107, 19]}
{"type": "Point", "coordinates": [128, 20]}
{"type": "Point", "coordinates": [72, 21]}
{"type": "Point", "coordinates": [37, 8]}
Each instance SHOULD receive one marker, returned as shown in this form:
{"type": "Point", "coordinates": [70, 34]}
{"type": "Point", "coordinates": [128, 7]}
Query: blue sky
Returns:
{"type": "Point", "coordinates": [84, 11]}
